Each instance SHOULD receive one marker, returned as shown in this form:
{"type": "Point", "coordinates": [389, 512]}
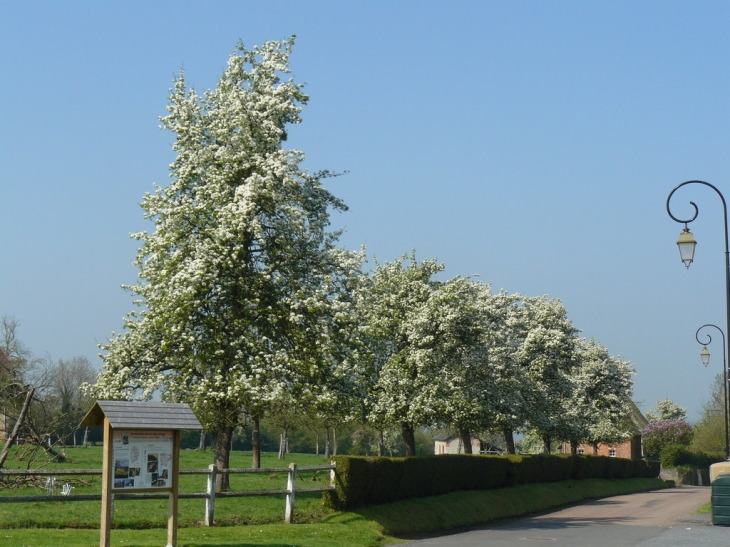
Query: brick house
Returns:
{"type": "Point", "coordinates": [631, 448]}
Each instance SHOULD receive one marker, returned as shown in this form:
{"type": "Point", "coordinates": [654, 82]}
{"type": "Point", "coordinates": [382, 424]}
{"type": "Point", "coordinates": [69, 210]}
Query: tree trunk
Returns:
{"type": "Point", "coordinates": [326, 442]}
{"type": "Point", "coordinates": [334, 441]}
{"type": "Point", "coordinates": [74, 438]}
{"type": "Point", "coordinates": [316, 444]}
{"type": "Point", "coordinates": [283, 441]}
{"type": "Point", "coordinates": [222, 456]}
{"type": "Point", "coordinates": [509, 439]}
{"type": "Point", "coordinates": [86, 437]}
{"type": "Point", "coordinates": [595, 448]}
{"type": "Point", "coordinates": [201, 443]}
{"type": "Point", "coordinates": [574, 447]}
{"type": "Point", "coordinates": [546, 443]}
{"type": "Point", "coordinates": [16, 430]}
{"type": "Point", "coordinates": [381, 444]}
{"type": "Point", "coordinates": [256, 443]}
{"type": "Point", "coordinates": [465, 439]}
{"type": "Point", "coordinates": [409, 438]}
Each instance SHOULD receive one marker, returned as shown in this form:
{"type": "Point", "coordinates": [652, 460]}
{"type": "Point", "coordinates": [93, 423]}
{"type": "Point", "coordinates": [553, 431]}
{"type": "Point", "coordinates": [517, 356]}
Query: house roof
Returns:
{"type": "Point", "coordinates": [443, 437]}
{"type": "Point", "coordinates": [638, 420]}
{"type": "Point", "coordinates": [142, 415]}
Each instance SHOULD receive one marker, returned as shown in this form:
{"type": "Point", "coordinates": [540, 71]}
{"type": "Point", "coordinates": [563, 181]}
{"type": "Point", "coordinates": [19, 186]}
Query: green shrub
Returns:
{"type": "Point", "coordinates": [363, 481]}
{"type": "Point", "coordinates": [657, 435]}
{"type": "Point", "coordinates": [675, 455]}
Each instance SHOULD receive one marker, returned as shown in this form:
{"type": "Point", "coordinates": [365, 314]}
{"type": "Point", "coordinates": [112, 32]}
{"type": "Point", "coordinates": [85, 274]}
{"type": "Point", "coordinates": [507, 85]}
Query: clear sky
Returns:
{"type": "Point", "coordinates": [532, 143]}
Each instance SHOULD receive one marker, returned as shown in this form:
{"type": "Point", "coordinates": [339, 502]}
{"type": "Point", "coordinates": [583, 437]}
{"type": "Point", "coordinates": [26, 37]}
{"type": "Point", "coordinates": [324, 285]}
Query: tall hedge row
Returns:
{"type": "Point", "coordinates": [675, 455]}
{"type": "Point", "coordinates": [365, 481]}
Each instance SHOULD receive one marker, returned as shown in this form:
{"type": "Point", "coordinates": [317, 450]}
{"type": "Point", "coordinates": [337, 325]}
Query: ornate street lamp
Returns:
{"type": "Point", "coordinates": [687, 246]}
{"type": "Point", "coordinates": [705, 356]}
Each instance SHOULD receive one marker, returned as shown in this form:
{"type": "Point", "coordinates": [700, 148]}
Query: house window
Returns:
{"type": "Point", "coordinates": [581, 450]}
{"type": "Point", "coordinates": [612, 452]}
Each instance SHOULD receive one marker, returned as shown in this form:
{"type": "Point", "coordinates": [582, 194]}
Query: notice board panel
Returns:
{"type": "Point", "coordinates": [142, 459]}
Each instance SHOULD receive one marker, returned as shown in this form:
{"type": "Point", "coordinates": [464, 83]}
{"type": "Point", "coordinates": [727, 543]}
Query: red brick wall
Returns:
{"type": "Point", "coordinates": [623, 450]}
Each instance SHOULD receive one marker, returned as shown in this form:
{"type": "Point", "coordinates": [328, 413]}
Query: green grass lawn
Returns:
{"type": "Point", "coordinates": [153, 513]}
{"type": "Point", "coordinates": [254, 521]}
{"type": "Point", "coordinates": [345, 529]}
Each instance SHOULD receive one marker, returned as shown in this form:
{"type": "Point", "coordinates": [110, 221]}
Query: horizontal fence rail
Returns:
{"type": "Point", "coordinates": [45, 472]}
{"type": "Point", "coordinates": [209, 495]}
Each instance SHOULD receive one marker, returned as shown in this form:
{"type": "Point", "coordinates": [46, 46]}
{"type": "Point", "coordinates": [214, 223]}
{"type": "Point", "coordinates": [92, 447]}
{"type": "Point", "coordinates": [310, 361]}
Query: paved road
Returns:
{"type": "Point", "coordinates": [665, 518]}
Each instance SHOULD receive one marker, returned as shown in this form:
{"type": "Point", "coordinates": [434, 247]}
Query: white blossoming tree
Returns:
{"type": "Point", "coordinates": [666, 410]}
{"type": "Point", "coordinates": [532, 360]}
{"type": "Point", "coordinates": [547, 357]}
{"type": "Point", "coordinates": [474, 376]}
{"type": "Point", "coordinates": [599, 408]}
{"type": "Point", "coordinates": [412, 325]}
{"type": "Point", "coordinates": [507, 411]}
{"type": "Point", "coordinates": [241, 289]}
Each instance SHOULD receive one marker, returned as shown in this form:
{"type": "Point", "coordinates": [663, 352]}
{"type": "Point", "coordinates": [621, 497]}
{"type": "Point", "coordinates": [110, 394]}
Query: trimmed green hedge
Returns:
{"type": "Point", "coordinates": [675, 455]}
{"type": "Point", "coordinates": [363, 481]}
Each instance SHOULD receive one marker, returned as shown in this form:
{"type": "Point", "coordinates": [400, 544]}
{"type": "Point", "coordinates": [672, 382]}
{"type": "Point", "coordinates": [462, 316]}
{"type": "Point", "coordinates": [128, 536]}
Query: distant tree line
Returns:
{"type": "Point", "coordinates": [41, 402]}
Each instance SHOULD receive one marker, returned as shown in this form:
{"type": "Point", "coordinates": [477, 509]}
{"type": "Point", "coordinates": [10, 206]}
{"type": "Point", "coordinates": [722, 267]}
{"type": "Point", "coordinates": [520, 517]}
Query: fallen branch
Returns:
{"type": "Point", "coordinates": [16, 429]}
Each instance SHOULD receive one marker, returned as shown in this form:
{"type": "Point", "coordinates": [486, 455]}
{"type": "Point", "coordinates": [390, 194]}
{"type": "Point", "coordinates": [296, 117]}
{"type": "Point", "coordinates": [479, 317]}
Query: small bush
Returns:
{"type": "Point", "coordinates": [659, 434]}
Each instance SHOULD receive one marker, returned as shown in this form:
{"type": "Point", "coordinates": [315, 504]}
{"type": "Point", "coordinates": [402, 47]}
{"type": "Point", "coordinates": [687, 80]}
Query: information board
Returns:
{"type": "Point", "coordinates": [142, 459]}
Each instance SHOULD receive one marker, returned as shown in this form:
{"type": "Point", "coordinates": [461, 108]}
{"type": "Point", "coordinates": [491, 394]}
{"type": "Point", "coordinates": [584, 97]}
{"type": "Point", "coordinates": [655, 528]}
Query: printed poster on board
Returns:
{"type": "Point", "coordinates": [142, 459]}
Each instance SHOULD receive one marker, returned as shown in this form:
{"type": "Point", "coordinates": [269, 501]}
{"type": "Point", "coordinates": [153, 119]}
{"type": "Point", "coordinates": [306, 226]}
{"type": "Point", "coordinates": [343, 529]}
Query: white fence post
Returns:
{"type": "Point", "coordinates": [291, 486]}
{"type": "Point", "coordinates": [210, 500]}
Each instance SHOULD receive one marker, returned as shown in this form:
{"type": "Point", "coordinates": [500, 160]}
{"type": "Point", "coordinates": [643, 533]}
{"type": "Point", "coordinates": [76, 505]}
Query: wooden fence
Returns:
{"type": "Point", "coordinates": [209, 495]}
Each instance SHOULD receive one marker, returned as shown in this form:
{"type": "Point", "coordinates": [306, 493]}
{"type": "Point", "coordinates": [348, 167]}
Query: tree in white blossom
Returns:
{"type": "Point", "coordinates": [547, 357]}
{"type": "Point", "coordinates": [412, 325]}
{"type": "Point", "coordinates": [509, 411]}
{"type": "Point", "coordinates": [599, 408]}
{"type": "Point", "coordinates": [241, 288]}
{"type": "Point", "coordinates": [475, 376]}
{"type": "Point", "coordinates": [666, 409]}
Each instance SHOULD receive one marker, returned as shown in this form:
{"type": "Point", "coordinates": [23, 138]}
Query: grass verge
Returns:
{"type": "Point", "coordinates": [705, 509]}
{"type": "Point", "coordinates": [440, 514]}
{"type": "Point", "coordinates": [335, 531]}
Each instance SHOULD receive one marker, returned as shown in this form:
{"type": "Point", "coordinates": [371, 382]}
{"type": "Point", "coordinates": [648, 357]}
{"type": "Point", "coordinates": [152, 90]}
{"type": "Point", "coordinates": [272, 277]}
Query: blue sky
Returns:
{"type": "Point", "coordinates": [531, 143]}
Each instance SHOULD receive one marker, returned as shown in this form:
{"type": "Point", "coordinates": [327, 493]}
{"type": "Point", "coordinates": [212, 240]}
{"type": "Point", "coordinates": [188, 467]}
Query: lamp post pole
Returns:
{"type": "Point", "coordinates": [705, 361]}
{"type": "Point", "coordinates": [686, 246]}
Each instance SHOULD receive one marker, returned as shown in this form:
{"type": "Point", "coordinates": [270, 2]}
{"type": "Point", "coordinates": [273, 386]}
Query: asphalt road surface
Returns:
{"type": "Point", "coordinates": [664, 518]}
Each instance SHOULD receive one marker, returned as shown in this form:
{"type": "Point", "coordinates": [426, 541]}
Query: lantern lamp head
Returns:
{"type": "Point", "coordinates": [686, 244]}
{"type": "Point", "coordinates": [705, 356]}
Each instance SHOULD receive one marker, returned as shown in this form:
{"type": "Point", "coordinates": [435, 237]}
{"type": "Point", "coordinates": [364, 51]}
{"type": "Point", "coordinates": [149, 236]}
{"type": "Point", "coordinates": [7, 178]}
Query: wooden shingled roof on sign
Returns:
{"type": "Point", "coordinates": [141, 415]}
